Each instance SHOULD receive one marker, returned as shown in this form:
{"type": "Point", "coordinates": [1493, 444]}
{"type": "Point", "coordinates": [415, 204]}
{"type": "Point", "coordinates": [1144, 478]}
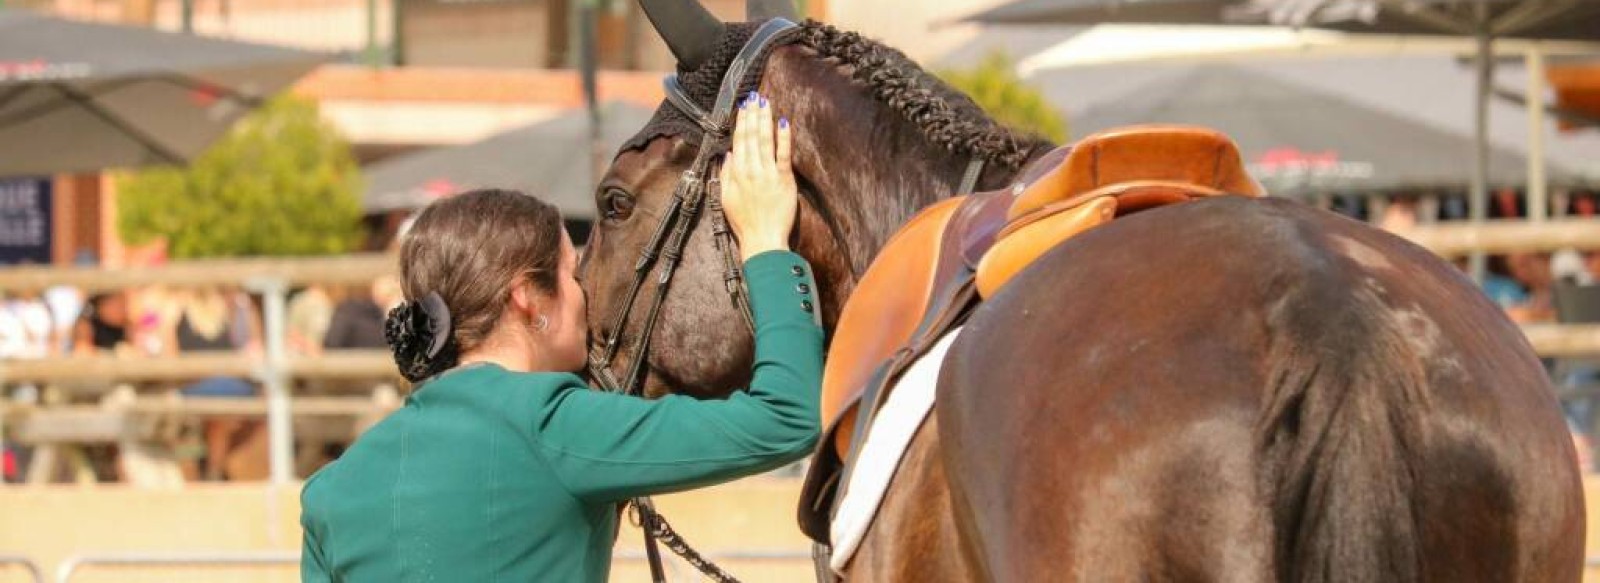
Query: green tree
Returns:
{"type": "Point", "coordinates": [282, 182]}
{"type": "Point", "coordinates": [995, 86]}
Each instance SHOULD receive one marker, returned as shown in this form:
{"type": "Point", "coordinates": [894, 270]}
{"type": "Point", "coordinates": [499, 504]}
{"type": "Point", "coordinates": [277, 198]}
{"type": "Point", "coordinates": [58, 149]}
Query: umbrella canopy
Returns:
{"type": "Point", "coordinates": [549, 159]}
{"type": "Point", "coordinates": [1109, 44]}
{"type": "Point", "coordinates": [1483, 20]}
{"type": "Point", "coordinates": [1576, 20]}
{"type": "Point", "coordinates": [1300, 141]}
{"type": "Point", "coordinates": [80, 97]}
{"type": "Point", "coordinates": [1090, 12]}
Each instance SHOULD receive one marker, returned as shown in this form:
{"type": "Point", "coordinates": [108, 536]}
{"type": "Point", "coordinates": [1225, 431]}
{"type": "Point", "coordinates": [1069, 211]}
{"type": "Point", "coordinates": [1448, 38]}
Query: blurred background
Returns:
{"type": "Point", "coordinates": [200, 199]}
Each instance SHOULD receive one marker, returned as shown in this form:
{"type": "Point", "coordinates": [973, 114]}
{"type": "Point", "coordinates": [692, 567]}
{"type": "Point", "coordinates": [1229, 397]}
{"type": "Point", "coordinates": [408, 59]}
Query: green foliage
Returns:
{"type": "Point", "coordinates": [282, 182]}
{"type": "Point", "coordinates": [995, 86]}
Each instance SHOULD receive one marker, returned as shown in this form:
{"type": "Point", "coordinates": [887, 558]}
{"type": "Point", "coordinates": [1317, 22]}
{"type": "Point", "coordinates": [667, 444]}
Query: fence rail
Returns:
{"type": "Point", "coordinates": [334, 365]}
{"type": "Point", "coordinates": [359, 268]}
{"type": "Point", "coordinates": [1455, 239]}
{"type": "Point", "coordinates": [73, 564]}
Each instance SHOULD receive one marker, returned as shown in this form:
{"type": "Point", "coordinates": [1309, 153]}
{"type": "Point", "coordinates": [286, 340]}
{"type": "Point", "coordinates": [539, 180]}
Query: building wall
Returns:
{"type": "Point", "coordinates": [923, 29]}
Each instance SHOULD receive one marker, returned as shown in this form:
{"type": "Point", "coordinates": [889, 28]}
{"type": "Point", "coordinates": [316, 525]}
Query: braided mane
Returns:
{"type": "Point", "coordinates": [941, 114]}
{"type": "Point", "coordinates": [945, 116]}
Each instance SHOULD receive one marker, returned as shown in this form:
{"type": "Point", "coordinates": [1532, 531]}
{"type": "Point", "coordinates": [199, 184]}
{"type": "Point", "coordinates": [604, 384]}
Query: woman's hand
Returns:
{"type": "Point", "coordinates": [758, 190]}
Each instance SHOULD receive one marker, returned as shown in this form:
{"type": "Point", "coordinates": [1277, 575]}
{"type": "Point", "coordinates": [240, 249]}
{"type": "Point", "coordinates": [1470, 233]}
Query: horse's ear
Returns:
{"type": "Point", "coordinates": [761, 10]}
{"type": "Point", "coordinates": [690, 30]}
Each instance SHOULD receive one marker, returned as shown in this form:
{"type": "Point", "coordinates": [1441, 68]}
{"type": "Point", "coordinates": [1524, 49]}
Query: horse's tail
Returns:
{"type": "Point", "coordinates": [1340, 440]}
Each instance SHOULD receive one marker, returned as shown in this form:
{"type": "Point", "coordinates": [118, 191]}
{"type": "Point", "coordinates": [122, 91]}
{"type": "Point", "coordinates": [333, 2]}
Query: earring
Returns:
{"type": "Point", "coordinates": [542, 323]}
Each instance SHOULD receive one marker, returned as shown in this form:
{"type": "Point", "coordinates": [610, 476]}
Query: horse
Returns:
{"type": "Point", "coordinates": [1230, 389]}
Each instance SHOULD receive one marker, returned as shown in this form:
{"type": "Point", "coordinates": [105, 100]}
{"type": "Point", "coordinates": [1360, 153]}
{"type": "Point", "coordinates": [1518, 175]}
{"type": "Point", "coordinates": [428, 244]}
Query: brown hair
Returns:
{"type": "Point", "coordinates": [468, 249]}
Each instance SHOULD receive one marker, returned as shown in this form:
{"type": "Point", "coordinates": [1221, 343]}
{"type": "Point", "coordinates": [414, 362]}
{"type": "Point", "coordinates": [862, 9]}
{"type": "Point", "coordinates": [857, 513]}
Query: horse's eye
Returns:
{"type": "Point", "coordinates": [616, 205]}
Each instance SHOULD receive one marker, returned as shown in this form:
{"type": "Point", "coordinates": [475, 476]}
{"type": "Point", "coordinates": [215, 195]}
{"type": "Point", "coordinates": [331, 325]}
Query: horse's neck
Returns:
{"type": "Point", "coordinates": [872, 196]}
{"type": "Point", "coordinates": [872, 181]}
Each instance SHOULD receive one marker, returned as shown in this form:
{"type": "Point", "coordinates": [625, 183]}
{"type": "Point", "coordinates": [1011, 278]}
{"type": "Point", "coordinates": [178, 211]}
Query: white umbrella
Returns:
{"type": "Point", "coordinates": [1110, 44]}
{"type": "Point", "coordinates": [1481, 20]}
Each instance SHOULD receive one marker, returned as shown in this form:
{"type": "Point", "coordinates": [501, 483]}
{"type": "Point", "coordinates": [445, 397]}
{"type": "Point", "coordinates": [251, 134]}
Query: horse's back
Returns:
{"type": "Point", "coordinates": [1237, 390]}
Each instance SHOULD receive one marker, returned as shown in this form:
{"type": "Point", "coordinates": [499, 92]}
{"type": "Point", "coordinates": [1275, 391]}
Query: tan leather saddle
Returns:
{"type": "Point", "coordinates": [952, 255]}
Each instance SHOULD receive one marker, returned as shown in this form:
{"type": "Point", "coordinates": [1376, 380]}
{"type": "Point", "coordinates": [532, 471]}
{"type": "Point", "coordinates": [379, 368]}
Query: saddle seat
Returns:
{"type": "Point", "coordinates": [924, 279]}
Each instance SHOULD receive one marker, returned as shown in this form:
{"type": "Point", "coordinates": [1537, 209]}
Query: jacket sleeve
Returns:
{"type": "Point", "coordinates": [312, 567]}
{"type": "Point", "coordinates": [609, 447]}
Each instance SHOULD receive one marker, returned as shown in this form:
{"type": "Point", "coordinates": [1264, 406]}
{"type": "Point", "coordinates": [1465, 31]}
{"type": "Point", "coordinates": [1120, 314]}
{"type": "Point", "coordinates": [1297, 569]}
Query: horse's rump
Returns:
{"type": "Point", "coordinates": [1236, 390]}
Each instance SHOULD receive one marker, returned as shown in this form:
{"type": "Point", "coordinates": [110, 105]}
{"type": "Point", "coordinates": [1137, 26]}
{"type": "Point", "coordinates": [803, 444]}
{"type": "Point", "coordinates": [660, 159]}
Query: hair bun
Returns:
{"type": "Point", "coordinates": [419, 335]}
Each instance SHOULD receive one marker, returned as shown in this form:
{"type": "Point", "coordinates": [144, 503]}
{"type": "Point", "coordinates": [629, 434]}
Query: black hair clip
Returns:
{"type": "Point", "coordinates": [438, 322]}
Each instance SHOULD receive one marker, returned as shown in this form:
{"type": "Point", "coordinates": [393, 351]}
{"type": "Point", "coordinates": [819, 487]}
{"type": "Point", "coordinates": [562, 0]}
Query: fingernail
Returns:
{"type": "Point", "coordinates": [783, 123]}
{"type": "Point", "coordinates": [763, 102]}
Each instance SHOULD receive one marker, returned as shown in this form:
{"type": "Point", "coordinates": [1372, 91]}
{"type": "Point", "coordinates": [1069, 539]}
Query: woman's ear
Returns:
{"type": "Point", "coordinates": [524, 298]}
{"type": "Point", "coordinates": [528, 299]}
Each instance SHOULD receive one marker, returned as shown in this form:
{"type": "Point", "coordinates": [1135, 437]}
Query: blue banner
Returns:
{"type": "Point", "coordinates": [25, 220]}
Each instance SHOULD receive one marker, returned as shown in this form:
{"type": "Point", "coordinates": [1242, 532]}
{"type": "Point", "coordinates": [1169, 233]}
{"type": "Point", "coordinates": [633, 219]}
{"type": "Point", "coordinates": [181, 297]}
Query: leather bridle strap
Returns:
{"type": "Point", "coordinates": [697, 184]}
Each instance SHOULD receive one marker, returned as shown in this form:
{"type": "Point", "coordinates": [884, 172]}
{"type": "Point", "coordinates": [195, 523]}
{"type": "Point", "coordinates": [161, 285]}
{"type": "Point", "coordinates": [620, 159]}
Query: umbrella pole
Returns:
{"type": "Point", "coordinates": [1538, 187]}
{"type": "Point", "coordinates": [1478, 201]}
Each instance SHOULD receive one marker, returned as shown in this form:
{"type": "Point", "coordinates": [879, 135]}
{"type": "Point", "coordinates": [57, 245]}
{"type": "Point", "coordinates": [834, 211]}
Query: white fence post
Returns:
{"type": "Point", "coordinates": [275, 378]}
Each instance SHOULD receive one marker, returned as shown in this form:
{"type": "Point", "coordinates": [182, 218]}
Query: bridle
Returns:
{"type": "Point", "coordinates": [698, 190]}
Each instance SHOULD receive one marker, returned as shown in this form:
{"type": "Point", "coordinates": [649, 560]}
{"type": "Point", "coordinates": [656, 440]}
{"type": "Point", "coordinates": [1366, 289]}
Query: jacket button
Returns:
{"type": "Point", "coordinates": [803, 288]}
{"type": "Point", "coordinates": [806, 305]}
{"type": "Point", "coordinates": [797, 270]}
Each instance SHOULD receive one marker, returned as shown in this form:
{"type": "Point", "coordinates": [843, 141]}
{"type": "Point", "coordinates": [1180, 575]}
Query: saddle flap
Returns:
{"type": "Point", "coordinates": [883, 312]}
{"type": "Point", "coordinates": [1195, 160]}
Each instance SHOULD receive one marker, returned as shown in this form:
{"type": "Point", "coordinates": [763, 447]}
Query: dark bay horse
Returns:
{"type": "Point", "coordinates": [1226, 390]}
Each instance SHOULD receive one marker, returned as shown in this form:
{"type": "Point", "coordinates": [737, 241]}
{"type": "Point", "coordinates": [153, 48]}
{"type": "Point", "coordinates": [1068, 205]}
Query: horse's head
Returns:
{"type": "Point", "coordinates": [876, 139]}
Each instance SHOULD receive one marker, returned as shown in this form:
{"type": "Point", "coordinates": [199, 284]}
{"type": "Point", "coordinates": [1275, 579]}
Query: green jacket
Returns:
{"type": "Point", "coordinates": [492, 475]}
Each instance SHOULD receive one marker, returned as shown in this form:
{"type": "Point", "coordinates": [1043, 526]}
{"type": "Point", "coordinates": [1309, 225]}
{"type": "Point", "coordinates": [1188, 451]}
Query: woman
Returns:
{"type": "Point", "coordinates": [103, 327]}
{"type": "Point", "coordinates": [505, 466]}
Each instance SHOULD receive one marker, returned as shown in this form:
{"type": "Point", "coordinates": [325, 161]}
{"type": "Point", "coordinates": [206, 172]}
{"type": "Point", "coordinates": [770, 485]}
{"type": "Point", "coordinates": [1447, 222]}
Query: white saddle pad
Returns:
{"type": "Point", "coordinates": [897, 422]}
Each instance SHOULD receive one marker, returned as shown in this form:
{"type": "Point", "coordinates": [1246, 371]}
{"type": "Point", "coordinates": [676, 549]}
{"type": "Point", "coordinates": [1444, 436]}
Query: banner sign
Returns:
{"type": "Point", "coordinates": [25, 220]}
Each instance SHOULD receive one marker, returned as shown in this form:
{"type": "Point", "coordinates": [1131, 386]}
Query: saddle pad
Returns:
{"type": "Point", "coordinates": [891, 432]}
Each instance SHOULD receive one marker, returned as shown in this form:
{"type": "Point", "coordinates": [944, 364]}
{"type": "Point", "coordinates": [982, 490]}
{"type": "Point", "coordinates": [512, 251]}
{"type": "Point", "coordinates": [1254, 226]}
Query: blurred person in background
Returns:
{"type": "Point", "coordinates": [307, 317]}
{"type": "Point", "coordinates": [1570, 267]}
{"type": "Point", "coordinates": [212, 320]}
{"type": "Point", "coordinates": [358, 320]}
{"type": "Point", "coordinates": [1498, 283]}
{"type": "Point", "coordinates": [27, 328]}
{"type": "Point", "coordinates": [66, 305]}
{"type": "Point", "coordinates": [104, 327]}
{"type": "Point", "coordinates": [1532, 271]}
{"type": "Point", "coordinates": [1399, 215]}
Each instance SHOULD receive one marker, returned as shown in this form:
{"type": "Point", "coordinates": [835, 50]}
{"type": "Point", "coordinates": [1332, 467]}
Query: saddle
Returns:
{"type": "Point", "coordinates": [958, 252]}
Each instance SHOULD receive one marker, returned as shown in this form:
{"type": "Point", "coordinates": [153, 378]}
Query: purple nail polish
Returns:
{"type": "Point", "coordinates": [783, 122]}
{"type": "Point", "coordinates": [763, 102]}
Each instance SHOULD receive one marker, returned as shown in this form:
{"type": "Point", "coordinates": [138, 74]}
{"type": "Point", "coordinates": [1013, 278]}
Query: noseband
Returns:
{"type": "Point", "coordinates": [697, 188]}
